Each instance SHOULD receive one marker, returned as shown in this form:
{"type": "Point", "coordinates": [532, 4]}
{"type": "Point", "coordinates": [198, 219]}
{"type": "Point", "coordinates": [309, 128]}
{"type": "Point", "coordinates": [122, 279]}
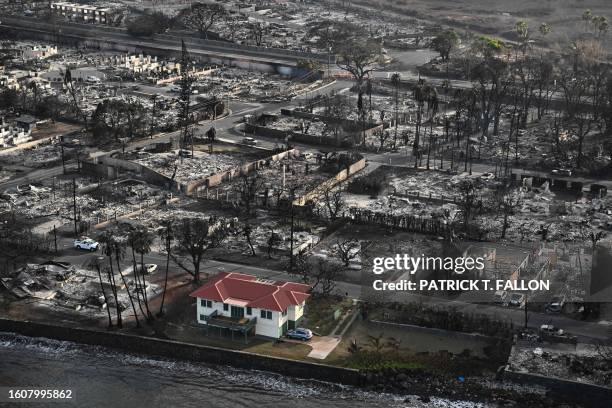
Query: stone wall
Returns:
{"type": "Point", "coordinates": [185, 351]}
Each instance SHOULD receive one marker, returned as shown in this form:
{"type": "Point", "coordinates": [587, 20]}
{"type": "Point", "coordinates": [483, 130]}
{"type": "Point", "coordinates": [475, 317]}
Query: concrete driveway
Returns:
{"type": "Point", "coordinates": [321, 345]}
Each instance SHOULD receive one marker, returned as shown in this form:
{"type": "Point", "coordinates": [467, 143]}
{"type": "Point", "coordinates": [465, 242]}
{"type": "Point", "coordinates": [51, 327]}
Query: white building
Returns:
{"type": "Point", "coordinates": [38, 52]}
{"type": "Point", "coordinates": [12, 136]}
{"type": "Point", "coordinates": [245, 304]}
{"type": "Point", "coordinates": [82, 12]}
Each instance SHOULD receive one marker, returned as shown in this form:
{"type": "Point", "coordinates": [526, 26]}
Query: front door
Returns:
{"type": "Point", "coordinates": [237, 312]}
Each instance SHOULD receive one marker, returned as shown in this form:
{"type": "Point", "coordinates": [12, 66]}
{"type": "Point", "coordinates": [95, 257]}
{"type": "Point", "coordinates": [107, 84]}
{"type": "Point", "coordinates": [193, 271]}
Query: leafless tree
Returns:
{"type": "Point", "coordinates": [258, 30]}
{"type": "Point", "coordinates": [193, 238]}
{"type": "Point", "coordinates": [250, 186]}
{"type": "Point", "coordinates": [273, 240]}
{"type": "Point", "coordinates": [347, 250]}
{"type": "Point", "coordinates": [247, 230]}
{"type": "Point", "coordinates": [321, 275]}
{"type": "Point", "coordinates": [202, 17]}
{"type": "Point", "coordinates": [467, 202]}
{"type": "Point", "coordinates": [508, 201]}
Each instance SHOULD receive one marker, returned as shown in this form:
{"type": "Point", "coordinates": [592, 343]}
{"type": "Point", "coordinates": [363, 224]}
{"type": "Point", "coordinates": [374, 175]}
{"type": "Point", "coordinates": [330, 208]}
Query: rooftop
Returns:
{"type": "Point", "coordinates": [248, 290]}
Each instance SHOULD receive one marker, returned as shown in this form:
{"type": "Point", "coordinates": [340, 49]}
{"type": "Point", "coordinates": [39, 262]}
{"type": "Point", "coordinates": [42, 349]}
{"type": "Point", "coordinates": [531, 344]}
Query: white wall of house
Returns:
{"type": "Point", "coordinates": [264, 327]}
{"type": "Point", "coordinates": [296, 312]}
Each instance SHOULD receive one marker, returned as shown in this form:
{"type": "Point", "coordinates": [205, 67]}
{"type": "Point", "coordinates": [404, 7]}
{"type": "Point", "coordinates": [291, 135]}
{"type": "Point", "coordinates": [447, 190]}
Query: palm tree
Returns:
{"type": "Point", "coordinates": [420, 96]}
{"type": "Point", "coordinates": [142, 245]}
{"type": "Point", "coordinates": [110, 320]}
{"type": "Point", "coordinates": [108, 249]}
{"type": "Point", "coordinates": [119, 249]}
{"type": "Point", "coordinates": [395, 80]}
{"type": "Point", "coordinates": [133, 236]}
{"type": "Point", "coordinates": [166, 236]}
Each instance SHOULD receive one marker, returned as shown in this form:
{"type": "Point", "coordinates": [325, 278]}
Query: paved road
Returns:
{"type": "Point", "coordinates": [586, 331]}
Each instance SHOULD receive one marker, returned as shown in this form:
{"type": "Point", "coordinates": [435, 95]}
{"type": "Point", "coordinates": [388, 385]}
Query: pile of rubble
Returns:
{"type": "Point", "coordinates": [187, 169]}
{"type": "Point", "coordinates": [73, 288]}
{"type": "Point", "coordinates": [586, 363]}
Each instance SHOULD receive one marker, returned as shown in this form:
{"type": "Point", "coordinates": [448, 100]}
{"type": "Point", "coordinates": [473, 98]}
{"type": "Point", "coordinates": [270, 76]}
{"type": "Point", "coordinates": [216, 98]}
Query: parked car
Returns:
{"type": "Point", "coordinates": [86, 244]}
{"type": "Point", "coordinates": [562, 172]}
{"type": "Point", "coordinates": [487, 176]}
{"type": "Point", "coordinates": [501, 297]}
{"type": "Point", "coordinates": [555, 305]}
{"type": "Point", "coordinates": [299, 334]}
{"type": "Point", "coordinates": [249, 141]}
{"type": "Point", "coordinates": [175, 88]}
{"type": "Point", "coordinates": [184, 153]}
{"type": "Point", "coordinates": [517, 300]}
{"type": "Point", "coordinates": [550, 329]}
{"type": "Point", "coordinates": [149, 268]}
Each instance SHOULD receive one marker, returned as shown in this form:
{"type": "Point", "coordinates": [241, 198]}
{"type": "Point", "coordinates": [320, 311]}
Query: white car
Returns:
{"type": "Point", "coordinates": [487, 176]}
{"type": "Point", "coordinates": [86, 244]}
{"type": "Point", "coordinates": [149, 268]}
{"type": "Point", "coordinates": [550, 329]}
{"type": "Point", "coordinates": [249, 141]}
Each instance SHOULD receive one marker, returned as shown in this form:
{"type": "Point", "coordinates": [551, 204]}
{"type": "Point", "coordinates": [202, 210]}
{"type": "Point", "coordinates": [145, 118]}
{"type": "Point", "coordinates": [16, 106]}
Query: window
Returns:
{"type": "Point", "coordinates": [225, 307]}
{"type": "Point", "coordinates": [263, 314]}
{"type": "Point", "coordinates": [202, 317]}
{"type": "Point", "coordinates": [249, 311]}
{"type": "Point", "coordinates": [266, 314]}
{"type": "Point", "coordinates": [205, 303]}
{"type": "Point", "coordinates": [285, 312]}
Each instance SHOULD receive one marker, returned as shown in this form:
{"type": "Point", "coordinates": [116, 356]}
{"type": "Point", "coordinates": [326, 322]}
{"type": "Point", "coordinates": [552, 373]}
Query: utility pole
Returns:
{"type": "Point", "coordinates": [292, 230]}
{"type": "Point", "coordinates": [63, 159]}
{"type": "Point", "coordinates": [185, 97]}
{"type": "Point", "coordinates": [153, 113]}
{"type": "Point", "coordinates": [74, 207]}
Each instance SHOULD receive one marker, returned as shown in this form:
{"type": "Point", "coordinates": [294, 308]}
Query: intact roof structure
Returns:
{"type": "Point", "coordinates": [250, 291]}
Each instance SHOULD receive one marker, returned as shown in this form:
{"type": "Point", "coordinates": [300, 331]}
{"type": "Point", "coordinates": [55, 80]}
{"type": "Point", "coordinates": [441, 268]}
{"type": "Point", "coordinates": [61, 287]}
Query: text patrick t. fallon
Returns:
{"type": "Point", "coordinates": [461, 285]}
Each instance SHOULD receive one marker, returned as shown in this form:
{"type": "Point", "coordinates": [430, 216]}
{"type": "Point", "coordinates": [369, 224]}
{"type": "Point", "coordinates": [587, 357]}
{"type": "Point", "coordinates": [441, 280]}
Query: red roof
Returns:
{"type": "Point", "coordinates": [248, 289]}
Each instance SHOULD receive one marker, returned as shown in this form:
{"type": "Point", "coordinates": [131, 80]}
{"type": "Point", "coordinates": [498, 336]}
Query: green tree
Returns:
{"type": "Point", "coordinates": [444, 43]}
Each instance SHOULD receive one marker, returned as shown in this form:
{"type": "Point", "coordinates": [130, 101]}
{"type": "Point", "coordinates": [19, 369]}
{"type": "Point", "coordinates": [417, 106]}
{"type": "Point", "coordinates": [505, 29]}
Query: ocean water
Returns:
{"type": "Point", "coordinates": [102, 377]}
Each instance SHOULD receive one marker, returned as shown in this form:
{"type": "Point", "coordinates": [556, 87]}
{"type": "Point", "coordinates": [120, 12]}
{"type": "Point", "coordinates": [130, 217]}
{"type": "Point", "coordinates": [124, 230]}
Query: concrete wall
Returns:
{"type": "Point", "coordinates": [218, 178]}
{"type": "Point", "coordinates": [111, 168]}
{"type": "Point", "coordinates": [329, 183]}
{"type": "Point", "coordinates": [588, 394]}
{"type": "Point", "coordinates": [185, 351]}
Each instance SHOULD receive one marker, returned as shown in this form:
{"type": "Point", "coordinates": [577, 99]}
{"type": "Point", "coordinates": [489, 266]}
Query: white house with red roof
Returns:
{"type": "Point", "coordinates": [245, 303]}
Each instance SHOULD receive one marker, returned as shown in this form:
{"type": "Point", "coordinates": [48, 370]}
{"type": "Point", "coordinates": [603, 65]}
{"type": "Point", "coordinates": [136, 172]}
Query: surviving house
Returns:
{"type": "Point", "coordinates": [246, 304]}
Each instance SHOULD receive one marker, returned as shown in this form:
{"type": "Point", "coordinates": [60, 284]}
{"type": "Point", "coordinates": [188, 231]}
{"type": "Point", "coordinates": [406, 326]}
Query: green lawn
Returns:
{"type": "Point", "coordinates": [319, 314]}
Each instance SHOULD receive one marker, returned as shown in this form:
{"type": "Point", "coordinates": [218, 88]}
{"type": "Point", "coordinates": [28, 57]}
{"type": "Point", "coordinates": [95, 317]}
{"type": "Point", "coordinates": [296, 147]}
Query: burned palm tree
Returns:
{"type": "Point", "coordinates": [108, 249]}
{"type": "Point", "coordinates": [119, 249]}
{"type": "Point", "coordinates": [166, 236]}
{"type": "Point", "coordinates": [141, 244]}
{"type": "Point", "coordinates": [98, 269]}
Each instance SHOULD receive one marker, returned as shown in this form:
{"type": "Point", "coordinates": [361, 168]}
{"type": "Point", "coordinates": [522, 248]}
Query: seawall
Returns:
{"type": "Point", "coordinates": [179, 350]}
